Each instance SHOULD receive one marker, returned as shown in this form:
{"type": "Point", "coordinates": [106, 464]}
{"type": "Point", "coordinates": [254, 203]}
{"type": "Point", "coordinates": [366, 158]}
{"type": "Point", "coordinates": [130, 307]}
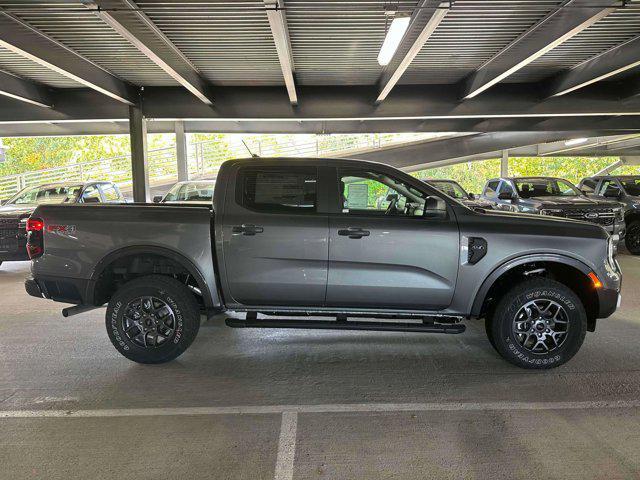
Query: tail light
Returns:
{"type": "Point", "coordinates": [35, 238]}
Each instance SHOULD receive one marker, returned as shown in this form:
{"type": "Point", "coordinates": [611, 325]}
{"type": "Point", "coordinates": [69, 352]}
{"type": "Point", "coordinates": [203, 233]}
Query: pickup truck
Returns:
{"type": "Point", "coordinates": [624, 189]}
{"type": "Point", "coordinates": [292, 241]}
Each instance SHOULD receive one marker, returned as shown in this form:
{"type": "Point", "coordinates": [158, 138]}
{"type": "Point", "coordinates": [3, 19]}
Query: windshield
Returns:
{"type": "Point", "coordinates": [631, 186]}
{"type": "Point", "coordinates": [451, 188]}
{"type": "Point", "coordinates": [191, 192]}
{"type": "Point", "coordinates": [46, 194]}
{"type": "Point", "coordinates": [545, 187]}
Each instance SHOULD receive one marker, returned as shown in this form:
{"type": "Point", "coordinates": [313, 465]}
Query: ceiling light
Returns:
{"type": "Point", "coordinates": [575, 141]}
{"type": "Point", "coordinates": [391, 42]}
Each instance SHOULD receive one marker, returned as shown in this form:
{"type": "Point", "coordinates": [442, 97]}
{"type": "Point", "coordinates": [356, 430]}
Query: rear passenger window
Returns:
{"type": "Point", "coordinates": [279, 190]}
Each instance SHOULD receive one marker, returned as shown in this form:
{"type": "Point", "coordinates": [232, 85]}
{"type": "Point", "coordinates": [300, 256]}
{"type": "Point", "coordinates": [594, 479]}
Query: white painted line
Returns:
{"type": "Point", "coordinates": [286, 446]}
{"type": "Point", "coordinates": [327, 408]}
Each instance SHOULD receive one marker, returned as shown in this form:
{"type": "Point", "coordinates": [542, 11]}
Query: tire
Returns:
{"type": "Point", "coordinates": [167, 322]}
{"type": "Point", "coordinates": [550, 317]}
{"type": "Point", "coordinates": [632, 238]}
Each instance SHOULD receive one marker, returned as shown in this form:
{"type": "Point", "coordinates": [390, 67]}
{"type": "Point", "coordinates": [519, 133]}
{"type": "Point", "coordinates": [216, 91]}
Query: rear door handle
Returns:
{"type": "Point", "coordinates": [353, 232]}
{"type": "Point", "coordinates": [247, 229]}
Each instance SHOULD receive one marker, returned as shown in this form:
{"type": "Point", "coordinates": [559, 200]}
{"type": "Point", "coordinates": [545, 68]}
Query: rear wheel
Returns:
{"type": "Point", "coordinates": [632, 238]}
{"type": "Point", "coordinates": [538, 324]}
{"type": "Point", "coordinates": [152, 319]}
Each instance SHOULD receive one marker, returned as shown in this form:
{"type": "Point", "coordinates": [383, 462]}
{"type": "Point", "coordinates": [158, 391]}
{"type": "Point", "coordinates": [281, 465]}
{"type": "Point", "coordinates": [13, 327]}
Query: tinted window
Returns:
{"type": "Point", "coordinates": [609, 188]}
{"type": "Point", "coordinates": [545, 187]}
{"type": "Point", "coordinates": [631, 185]}
{"type": "Point", "coordinates": [491, 188]}
{"type": "Point", "coordinates": [282, 190]}
{"type": "Point", "coordinates": [451, 188]}
{"type": "Point", "coordinates": [110, 193]}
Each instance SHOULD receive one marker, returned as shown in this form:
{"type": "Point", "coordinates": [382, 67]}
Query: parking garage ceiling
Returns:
{"type": "Point", "coordinates": [312, 66]}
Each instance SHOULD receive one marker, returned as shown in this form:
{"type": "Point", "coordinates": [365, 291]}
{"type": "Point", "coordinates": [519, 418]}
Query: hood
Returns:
{"type": "Point", "coordinates": [575, 201]}
{"type": "Point", "coordinates": [16, 211]}
{"type": "Point", "coordinates": [476, 203]}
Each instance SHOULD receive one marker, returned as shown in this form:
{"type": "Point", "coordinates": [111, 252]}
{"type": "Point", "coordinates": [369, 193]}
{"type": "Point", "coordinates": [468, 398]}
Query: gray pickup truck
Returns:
{"type": "Point", "coordinates": [299, 240]}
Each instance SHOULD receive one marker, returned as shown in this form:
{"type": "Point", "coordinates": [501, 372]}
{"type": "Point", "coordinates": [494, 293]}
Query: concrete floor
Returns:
{"type": "Point", "coordinates": [358, 405]}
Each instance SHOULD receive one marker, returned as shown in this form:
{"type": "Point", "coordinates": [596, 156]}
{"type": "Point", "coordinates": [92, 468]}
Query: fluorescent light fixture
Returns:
{"type": "Point", "coordinates": [575, 141]}
{"type": "Point", "coordinates": [391, 42]}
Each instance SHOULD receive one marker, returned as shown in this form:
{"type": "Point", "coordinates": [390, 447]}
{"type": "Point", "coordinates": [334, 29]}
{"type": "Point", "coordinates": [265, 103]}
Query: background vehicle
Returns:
{"type": "Point", "coordinates": [555, 197]}
{"type": "Point", "coordinates": [15, 211]}
{"type": "Point", "coordinates": [294, 237]}
{"type": "Point", "coordinates": [193, 191]}
{"type": "Point", "coordinates": [624, 189]}
{"type": "Point", "coordinates": [455, 190]}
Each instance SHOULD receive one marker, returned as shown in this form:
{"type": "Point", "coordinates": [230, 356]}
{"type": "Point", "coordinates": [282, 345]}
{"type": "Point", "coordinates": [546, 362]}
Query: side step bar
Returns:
{"type": "Point", "coordinates": [347, 325]}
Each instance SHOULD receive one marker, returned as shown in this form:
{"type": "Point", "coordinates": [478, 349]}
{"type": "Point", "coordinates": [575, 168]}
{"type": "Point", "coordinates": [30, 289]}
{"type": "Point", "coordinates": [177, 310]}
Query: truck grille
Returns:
{"type": "Point", "coordinates": [13, 237]}
{"type": "Point", "coordinates": [600, 216]}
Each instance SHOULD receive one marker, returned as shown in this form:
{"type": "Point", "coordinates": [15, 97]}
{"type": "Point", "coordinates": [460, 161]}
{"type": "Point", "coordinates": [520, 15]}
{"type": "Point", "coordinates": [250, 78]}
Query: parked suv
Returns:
{"type": "Point", "coordinates": [455, 190]}
{"type": "Point", "coordinates": [555, 197]}
{"type": "Point", "coordinates": [625, 189]}
{"type": "Point", "coordinates": [15, 211]}
{"type": "Point", "coordinates": [292, 239]}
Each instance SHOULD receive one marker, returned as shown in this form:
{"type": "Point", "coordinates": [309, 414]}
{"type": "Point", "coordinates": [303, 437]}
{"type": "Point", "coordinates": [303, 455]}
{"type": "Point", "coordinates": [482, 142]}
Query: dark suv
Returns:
{"type": "Point", "coordinates": [625, 189]}
{"type": "Point", "coordinates": [556, 197]}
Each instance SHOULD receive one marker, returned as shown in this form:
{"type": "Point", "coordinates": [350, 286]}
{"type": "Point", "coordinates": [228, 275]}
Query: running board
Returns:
{"type": "Point", "coordinates": [347, 325]}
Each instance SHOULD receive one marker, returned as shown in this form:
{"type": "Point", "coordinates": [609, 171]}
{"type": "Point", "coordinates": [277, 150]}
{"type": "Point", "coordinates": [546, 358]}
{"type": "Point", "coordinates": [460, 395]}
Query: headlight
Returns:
{"type": "Point", "coordinates": [619, 213]}
{"type": "Point", "coordinates": [554, 212]}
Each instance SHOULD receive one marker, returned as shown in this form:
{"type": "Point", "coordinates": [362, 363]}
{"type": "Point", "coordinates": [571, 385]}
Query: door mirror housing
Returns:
{"type": "Point", "coordinates": [472, 196]}
{"type": "Point", "coordinates": [505, 196]}
{"type": "Point", "coordinates": [434, 207]}
{"type": "Point", "coordinates": [91, 200]}
{"type": "Point", "coordinates": [157, 199]}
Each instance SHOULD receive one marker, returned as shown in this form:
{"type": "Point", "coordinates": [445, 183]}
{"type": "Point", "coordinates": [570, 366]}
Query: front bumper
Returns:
{"type": "Point", "coordinates": [608, 299]}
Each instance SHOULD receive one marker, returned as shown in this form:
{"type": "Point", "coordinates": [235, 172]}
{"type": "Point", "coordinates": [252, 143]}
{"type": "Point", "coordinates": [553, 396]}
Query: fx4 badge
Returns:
{"type": "Point", "coordinates": [62, 229]}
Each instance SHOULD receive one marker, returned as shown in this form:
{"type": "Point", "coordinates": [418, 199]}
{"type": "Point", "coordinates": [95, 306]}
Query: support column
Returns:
{"type": "Point", "coordinates": [181, 152]}
{"type": "Point", "coordinates": [504, 164]}
{"type": "Point", "coordinates": [139, 167]}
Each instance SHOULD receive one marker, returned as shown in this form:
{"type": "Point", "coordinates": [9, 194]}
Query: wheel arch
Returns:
{"type": "Point", "coordinates": [135, 251]}
{"type": "Point", "coordinates": [573, 270]}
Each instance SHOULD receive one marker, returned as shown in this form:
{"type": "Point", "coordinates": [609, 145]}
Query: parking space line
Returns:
{"type": "Point", "coordinates": [286, 446]}
{"type": "Point", "coordinates": [324, 408]}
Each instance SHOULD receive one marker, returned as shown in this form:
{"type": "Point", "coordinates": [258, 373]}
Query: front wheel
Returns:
{"type": "Point", "coordinates": [538, 324]}
{"type": "Point", "coordinates": [152, 319]}
{"type": "Point", "coordinates": [632, 238]}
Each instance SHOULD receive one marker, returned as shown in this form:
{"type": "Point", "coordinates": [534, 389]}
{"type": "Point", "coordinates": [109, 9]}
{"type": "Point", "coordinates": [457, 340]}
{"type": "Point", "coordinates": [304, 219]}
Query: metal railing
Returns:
{"type": "Point", "coordinates": [203, 158]}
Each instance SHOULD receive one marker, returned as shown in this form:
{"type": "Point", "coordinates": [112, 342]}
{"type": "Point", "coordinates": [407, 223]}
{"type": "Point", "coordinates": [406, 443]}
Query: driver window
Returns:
{"type": "Point", "coordinates": [373, 193]}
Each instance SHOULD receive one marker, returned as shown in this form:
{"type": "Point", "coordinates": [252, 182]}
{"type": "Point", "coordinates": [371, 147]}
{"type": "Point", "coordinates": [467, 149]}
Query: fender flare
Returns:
{"type": "Point", "coordinates": [188, 265]}
{"type": "Point", "coordinates": [515, 262]}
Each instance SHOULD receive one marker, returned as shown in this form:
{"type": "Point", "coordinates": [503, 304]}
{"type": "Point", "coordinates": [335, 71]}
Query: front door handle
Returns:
{"type": "Point", "coordinates": [247, 229]}
{"type": "Point", "coordinates": [353, 232]}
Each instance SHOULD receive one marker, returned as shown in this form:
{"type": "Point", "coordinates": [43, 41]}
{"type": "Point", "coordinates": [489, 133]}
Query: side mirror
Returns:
{"type": "Point", "coordinates": [391, 197]}
{"type": "Point", "coordinates": [505, 196]}
{"type": "Point", "coordinates": [2, 202]}
{"type": "Point", "coordinates": [91, 200]}
{"type": "Point", "coordinates": [157, 199]}
{"type": "Point", "coordinates": [434, 207]}
{"type": "Point", "coordinates": [472, 196]}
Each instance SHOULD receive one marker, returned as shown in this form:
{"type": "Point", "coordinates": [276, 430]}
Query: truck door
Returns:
{"type": "Point", "coordinates": [275, 238]}
{"type": "Point", "coordinates": [391, 244]}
